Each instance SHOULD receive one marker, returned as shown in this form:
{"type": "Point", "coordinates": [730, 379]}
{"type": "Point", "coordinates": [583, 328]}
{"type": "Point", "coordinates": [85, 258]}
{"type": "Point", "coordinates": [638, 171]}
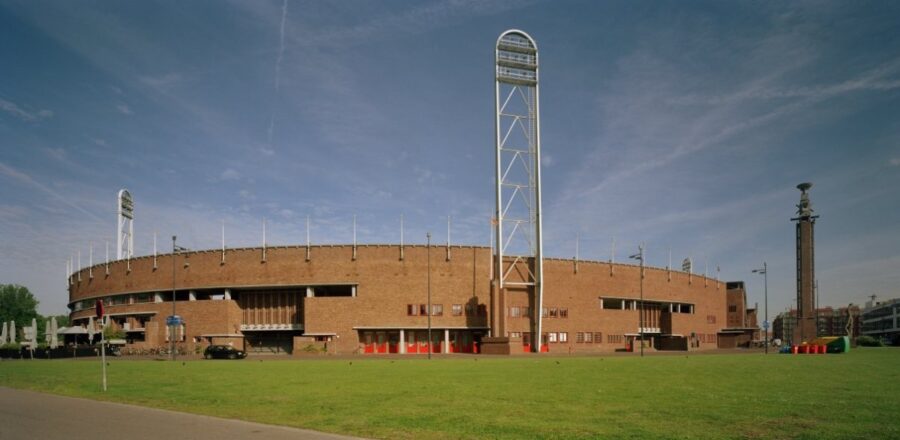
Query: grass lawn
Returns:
{"type": "Point", "coordinates": [856, 395]}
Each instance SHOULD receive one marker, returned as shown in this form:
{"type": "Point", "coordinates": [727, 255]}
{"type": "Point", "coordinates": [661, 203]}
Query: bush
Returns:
{"type": "Point", "coordinates": [310, 348]}
{"type": "Point", "coordinates": [868, 341]}
{"type": "Point", "coordinates": [8, 346]}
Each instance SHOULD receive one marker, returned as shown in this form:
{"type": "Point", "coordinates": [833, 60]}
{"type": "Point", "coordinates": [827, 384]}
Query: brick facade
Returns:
{"type": "Point", "coordinates": [384, 287]}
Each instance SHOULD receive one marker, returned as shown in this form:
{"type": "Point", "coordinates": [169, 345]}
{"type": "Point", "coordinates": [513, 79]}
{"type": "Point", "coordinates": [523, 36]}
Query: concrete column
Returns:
{"type": "Point", "coordinates": [601, 303]}
{"type": "Point", "coordinates": [623, 304]}
{"type": "Point", "coordinates": [402, 342]}
{"type": "Point", "coordinates": [310, 292]}
{"type": "Point", "coordinates": [157, 297]}
{"type": "Point", "coordinates": [192, 296]}
{"type": "Point", "coordinates": [446, 340]}
{"type": "Point", "coordinates": [227, 293]}
{"type": "Point", "coordinates": [353, 291]}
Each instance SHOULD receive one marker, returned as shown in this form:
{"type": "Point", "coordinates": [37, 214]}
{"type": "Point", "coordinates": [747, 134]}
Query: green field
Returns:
{"type": "Point", "coordinates": [855, 395]}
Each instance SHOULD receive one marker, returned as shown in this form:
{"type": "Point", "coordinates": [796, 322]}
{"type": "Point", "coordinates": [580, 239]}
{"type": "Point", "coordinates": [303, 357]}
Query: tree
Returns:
{"type": "Point", "coordinates": [17, 304]}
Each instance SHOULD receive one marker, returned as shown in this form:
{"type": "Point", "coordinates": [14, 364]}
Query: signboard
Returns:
{"type": "Point", "coordinates": [766, 325]}
{"type": "Point", "coordinates": [174, 320]}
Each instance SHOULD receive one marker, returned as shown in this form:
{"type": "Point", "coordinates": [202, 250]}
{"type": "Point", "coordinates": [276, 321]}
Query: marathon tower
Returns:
{"type": "Point", "coordinates": [518, 262]}
{"type": "Point", "coordinates": [805, 328]}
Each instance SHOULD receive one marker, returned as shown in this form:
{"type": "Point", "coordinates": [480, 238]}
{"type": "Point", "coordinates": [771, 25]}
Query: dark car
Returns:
{"type": "Point", "coordinates": [223, 352]}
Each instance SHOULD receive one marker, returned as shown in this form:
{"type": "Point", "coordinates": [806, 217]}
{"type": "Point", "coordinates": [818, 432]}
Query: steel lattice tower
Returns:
{"type": "Point", "coordinates": [518, 261]}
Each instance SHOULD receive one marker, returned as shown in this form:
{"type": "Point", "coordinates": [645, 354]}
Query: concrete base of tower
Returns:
{"type": "Point", "coordinates": [501, 345]}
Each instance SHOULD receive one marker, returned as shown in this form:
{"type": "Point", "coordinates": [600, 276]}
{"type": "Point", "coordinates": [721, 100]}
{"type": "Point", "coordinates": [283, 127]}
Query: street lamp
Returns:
{"type": "Point", "coordinates": [428, 250]}
{"type": "Point", "coordinates": [175, 250]}
{"type": "Point", "coordinates": [640, 257]}
{"type": "Point", "coordinates": [765, 274]}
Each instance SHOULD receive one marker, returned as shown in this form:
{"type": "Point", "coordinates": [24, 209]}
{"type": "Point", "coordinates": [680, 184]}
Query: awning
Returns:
{"type": "Point", "coordinates": [74, 330]}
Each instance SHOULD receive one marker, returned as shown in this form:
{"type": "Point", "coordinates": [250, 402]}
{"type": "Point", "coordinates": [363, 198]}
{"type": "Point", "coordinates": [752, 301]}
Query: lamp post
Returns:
{"type": "Point", "coordinates": [175, 250]}
{"type": "Point", "coordinates": [764, 271]}
{"type": "Point", "coordinates": [428, 311]}
{"type": "Point", "coordinates": [640, 257]}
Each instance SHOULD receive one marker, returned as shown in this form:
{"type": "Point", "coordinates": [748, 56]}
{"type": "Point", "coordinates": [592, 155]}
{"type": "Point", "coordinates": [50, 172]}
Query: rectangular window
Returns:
{"type": "Point", "coordinates": [612, 304]}
{"type": "Point", "coordinates": [554, 312]}
{"type": "Point", "coordinates": [552, 337]}
{"type": "Point", "coordinates": [526, 311]}
{"type": "Point", "coordinates": [732, 309]}
{"type": "Point", "coordinates": [563, 337]}
{"type": "Point", "coordinates": [412, 309]}
{"type": "Point", "coordinates": [423, 309]}
{"type": "Point", "coordinates": [544, 312]}
{"type": "Point", "coordinates": [563, 313]}
{"type": "Point", "coordinates": [457, 309]}
{"type": "Point", "coordinates": [588, 338]}
{"type": "Point", "coordinates": [514, 312]}
{"type": "Point", "coordinates": [579, 338]}
{"type": "Point", "coordinates": [437, 310]}
{"type": "Point", "coordinates": [598, 338]}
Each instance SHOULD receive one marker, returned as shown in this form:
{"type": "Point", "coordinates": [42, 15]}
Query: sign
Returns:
{"type": "Point", "coordinates": [766, 325]}
{"type": "Point", "coordinates": [99, 306]}
{"type": "Point", "coordinates": [174, 320]}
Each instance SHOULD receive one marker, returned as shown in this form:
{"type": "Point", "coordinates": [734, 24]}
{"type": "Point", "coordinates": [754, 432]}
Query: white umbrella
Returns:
{"type": "Point", "coordinates": [48, 332]}
{"type": "Point", "coordinates": [34, 335]}
{"type": "Point", "coordinates": [4, 336]}
{"type": "Point", "coordinates": [12, 332]}
{"type": "Point", "coordinates": [54, 339]}
{"type": "Point", "coordinates": [91, 331]}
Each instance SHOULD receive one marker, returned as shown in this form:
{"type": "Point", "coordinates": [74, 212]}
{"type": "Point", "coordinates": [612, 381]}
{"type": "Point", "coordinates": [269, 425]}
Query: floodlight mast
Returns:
{"type": "Point", "coordinates": [518, 177]}
{"type": "Point", "coordinates": [125, 221]}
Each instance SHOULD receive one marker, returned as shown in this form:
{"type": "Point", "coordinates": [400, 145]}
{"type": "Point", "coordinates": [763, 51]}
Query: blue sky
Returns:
{"type": "Point", "coordinates": [684, 125]}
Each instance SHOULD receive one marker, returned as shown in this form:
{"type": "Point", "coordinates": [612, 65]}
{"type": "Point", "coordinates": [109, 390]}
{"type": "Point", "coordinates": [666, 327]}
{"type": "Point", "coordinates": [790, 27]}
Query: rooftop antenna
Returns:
{"type": "Point", "coordinates": [401, 237]}
{"type": "Point", "coordinates": [223, 241]}
{"type": "Point", "coordinates": [354, 237]}
{"type": "Point", "coordinates": [79, 265]}
{"type": "Point", "coordinates": [448, 238]}
{"type": "Point", "coordinates": [107, 257]}
{"type": "Point", "coordinates": [612, 256]}
{"type": "Point", "coordinates": [264, 240]}
{"type": "Point", "coordinates": [577, 239]}
{"type": "Point", "coordinates": [91, 261]}
{"type": "Point", "coordinates": [154, 251]}
{"type": "Point", "coordinates": [307, 239]}
{"type": "Point", "coordinates": [125, 236]}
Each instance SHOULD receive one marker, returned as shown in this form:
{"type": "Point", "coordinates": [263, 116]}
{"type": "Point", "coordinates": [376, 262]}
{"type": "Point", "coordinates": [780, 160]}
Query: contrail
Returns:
{"type": "Point", "coordinates": [278, 70]}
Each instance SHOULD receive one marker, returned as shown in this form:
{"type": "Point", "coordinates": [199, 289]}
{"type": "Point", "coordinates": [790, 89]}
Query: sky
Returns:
{"type": "Point", "coordinates": [680, 125]}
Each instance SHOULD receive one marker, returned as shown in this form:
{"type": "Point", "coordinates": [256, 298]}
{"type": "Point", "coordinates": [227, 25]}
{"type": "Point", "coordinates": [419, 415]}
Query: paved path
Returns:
{"type": "Point", "coordinates": [29, 415]}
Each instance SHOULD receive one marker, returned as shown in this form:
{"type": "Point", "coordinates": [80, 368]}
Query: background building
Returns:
{"type": "Point", "coordinates": [881, 319]}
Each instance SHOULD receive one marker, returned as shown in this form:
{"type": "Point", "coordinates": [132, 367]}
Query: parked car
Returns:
{"type": "Point", "coordinates": [223, 352]}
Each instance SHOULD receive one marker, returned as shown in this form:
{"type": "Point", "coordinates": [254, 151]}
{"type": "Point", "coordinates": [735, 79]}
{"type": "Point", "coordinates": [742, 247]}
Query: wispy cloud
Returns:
{"type": "Point", "coordinates": [895, 162]}
{"type": "Point", "coordinates": [269, 150]}
{"type": "Point", "coordinates": [29, 116]}
{"type": "Point", "coordinates": [124, 109]}
{"type": "Point", "coordinates": [23, 178]}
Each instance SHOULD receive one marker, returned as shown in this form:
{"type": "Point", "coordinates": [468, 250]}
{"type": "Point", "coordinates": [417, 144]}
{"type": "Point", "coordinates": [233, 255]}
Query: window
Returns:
{"type": "Point", "coordinates": [423, 309]}
{"type": "Point", "coordinates": [544, 312]}
{"type": "Point", "coordinates": [732, 309]}
{"type": "Point", "coordinates": [563, 337]}
{"type": "Point", "coordinates": [551, 337]}
{"type": "Point", "coordinates": [412, 309]}
{"type": "Point", "coordinates": [611, 304]}
{"type": "Point", "coordinates": [457, 309]}
{"type": "Point", "coordinates": [437, 310]}
{"type": "Point", "coordinates": [554, 312]}
{"type": "Point", "coordinates": [514, 312]}
{"type": "Point", "coordinates": [526, 311]}
{"type": "Point", "coordinates": [614, 339]}
{"type": "Point", "coordinates": [579, 338]}
{"type": "Point", "coordinates": [563, 313]}
{"type": "Point", "coordinates": [598, 338]}
{"type": "Point", "coordinates": [710, 319]}
{"type": "Point", "coordinates": [515, 334]}
{"type": "Point", "coordinates": [588, 338]}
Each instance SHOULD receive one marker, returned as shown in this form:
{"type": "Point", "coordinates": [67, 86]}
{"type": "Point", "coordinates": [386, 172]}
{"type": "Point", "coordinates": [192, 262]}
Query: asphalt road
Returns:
{"type": "Point", "coordinates": [28, 415]}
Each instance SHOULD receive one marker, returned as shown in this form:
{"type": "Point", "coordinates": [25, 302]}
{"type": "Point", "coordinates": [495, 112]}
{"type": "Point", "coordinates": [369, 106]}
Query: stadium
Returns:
{"type": "Point", "coordinates": [372, 299]}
